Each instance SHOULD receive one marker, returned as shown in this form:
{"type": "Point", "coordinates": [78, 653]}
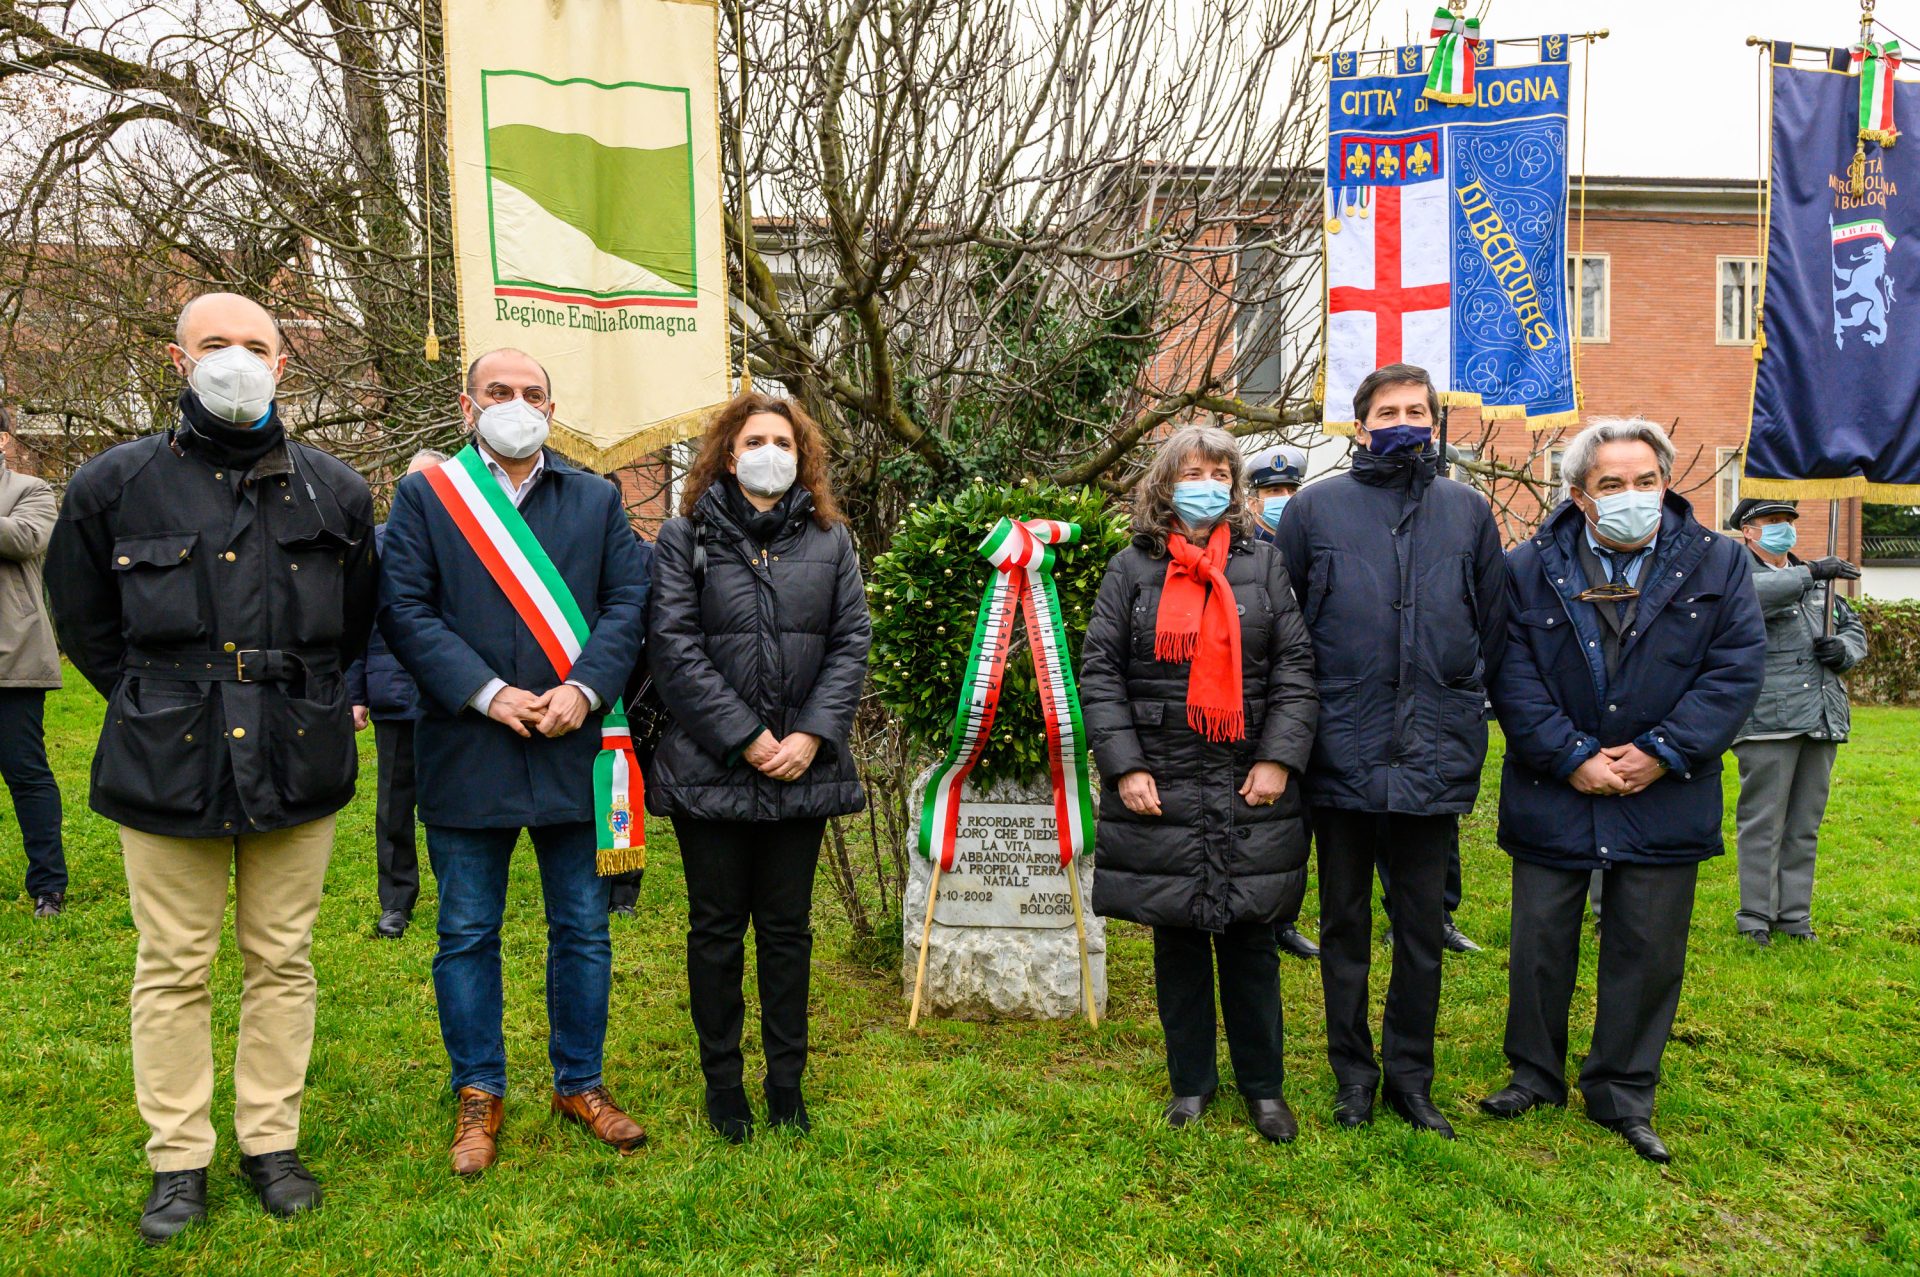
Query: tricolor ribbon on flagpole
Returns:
{"type": "Point", "coordinates": [497, 532]}
{"type": "Point", "coordinates": [1022, 552]}
{"type": "Point", "coordinates": [1875, 62]}
{"type": "Point", "coordinates": [1450, 75]}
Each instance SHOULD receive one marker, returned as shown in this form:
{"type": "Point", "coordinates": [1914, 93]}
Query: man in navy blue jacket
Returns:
{"type": "Point", "coordinates": [1635, 651]}
{"type": "Point", "coordinates": [383, 696]}
{"type": "Point", "coordinates": [504, 744]}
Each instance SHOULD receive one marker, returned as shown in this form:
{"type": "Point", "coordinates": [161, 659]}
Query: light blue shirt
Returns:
{"type": "Point", "coordinates": [1631, 561]}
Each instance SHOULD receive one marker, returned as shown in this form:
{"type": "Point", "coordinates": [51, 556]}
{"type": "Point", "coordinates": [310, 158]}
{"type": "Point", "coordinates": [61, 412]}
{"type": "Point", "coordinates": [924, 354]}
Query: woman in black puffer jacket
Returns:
{"type": "Point", "coordinates": [757, 640]}
{"type": "Point", "coordinates": [1201, 834]}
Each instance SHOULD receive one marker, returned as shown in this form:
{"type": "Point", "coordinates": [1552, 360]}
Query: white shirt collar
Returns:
{"type": "Point", "coordinates": [515, 495]}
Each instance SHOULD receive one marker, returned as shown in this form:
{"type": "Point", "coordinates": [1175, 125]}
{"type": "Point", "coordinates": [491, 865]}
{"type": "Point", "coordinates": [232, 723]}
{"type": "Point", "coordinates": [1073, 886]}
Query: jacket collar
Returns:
{"type": "Point", "coordinates": [712, 508]}
{"type": "Point", "coordinates": [1683, 542]}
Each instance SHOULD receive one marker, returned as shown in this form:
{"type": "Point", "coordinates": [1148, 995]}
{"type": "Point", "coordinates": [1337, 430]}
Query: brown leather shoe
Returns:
{"type": "Point", "coordinates": [475, 1135]}
{"type": "Point", "coordinates": [596, 1111]}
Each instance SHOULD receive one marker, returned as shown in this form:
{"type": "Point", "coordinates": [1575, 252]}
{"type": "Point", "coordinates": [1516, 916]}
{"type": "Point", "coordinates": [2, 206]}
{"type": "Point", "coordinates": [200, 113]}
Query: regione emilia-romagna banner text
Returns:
{"type": "Point", "coordinates": [1446, 227]}
{"type": "Point", "coordinates": [583, 142]}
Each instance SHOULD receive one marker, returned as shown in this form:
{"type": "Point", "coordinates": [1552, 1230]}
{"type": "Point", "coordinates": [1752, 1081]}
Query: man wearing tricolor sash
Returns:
{"type": "Point", "coordinates": [514, 592]}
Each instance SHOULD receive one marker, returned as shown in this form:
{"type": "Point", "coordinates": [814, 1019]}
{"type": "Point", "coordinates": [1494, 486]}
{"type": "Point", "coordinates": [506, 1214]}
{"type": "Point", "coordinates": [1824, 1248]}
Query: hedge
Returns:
{"type": "Point", "coordinates": [1891, 673]}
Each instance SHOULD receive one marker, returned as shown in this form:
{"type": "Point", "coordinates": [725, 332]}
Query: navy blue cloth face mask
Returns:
{"type": "Point", "coordinates": [1391, 439]}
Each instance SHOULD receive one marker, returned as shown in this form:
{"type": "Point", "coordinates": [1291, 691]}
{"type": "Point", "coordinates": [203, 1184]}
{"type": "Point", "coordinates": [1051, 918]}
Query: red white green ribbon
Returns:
{"type": "Point", "coordinates": [1450, 75]}
{"type": "Point", "coordinates": [1875, 61]}
{"type": "Point", "coordinates": [498, 534]}
{"type": "Point", "coordinates": [1022, 552]}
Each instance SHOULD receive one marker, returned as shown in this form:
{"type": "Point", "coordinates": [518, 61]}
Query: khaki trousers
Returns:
{"type": "Point", "coordinates": [178, 891]}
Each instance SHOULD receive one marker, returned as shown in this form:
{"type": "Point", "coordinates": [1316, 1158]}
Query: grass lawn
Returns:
{"type": "Point", "coordinates": [1791, 1100]}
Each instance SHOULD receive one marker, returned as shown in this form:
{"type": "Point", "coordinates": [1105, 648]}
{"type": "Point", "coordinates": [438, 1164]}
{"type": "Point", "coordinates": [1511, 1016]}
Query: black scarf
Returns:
{"type": "Point", "coordinates": [763, 525]}
{"type": "Point", "coordinates": [223, 442]}
{"type": "Point", "coordinates": [1407, 470]}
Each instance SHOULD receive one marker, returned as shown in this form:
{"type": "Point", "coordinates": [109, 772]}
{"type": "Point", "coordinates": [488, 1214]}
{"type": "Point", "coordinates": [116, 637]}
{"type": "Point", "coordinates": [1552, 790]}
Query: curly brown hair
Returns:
{"type": "Point", "coordinates": [810, 452]}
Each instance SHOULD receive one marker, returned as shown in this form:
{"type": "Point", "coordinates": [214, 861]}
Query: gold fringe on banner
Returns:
{"type": "Point", "coordinates": [1831, 490]}
{"type": "Point", "coordinates": [1503, 412]}
{"type": "Point", "coordinates": [660, 434]}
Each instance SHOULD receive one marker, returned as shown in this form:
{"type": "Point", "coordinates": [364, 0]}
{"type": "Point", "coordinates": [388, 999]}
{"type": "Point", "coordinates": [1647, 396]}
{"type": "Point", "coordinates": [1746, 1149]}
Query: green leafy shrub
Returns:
{"type": "Point", "coordinates": [1891, 673]}
{"type": "Point", "coordinates": [925, 593]}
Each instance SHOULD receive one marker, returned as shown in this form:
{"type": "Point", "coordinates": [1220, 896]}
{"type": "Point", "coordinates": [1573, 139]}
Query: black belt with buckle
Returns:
{"type": "Point", "coordinates": [247, 665]}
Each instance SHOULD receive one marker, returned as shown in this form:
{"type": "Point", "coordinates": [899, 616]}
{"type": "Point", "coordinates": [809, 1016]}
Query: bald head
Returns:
{"type": "Point", "coordinates": [226, 319]}
{"type": "Point", "coordinates": [506, 366]}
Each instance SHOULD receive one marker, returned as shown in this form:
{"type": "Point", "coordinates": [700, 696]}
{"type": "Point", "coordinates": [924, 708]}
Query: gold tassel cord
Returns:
{"type": "Point", "coordinates": [432, 344]}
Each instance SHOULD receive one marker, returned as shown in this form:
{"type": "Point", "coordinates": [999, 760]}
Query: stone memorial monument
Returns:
{"type": "Point", "coordinates": [1003, 944]}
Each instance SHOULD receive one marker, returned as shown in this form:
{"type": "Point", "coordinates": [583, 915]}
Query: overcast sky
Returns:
{"type": "Point", "coordinates": [1674, 84]}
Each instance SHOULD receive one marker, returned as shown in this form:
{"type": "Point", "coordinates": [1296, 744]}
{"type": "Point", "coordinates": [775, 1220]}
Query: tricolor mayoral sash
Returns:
{"type": "Point", "coordinates": [1022, 553]}
{"type": "Point", "coordinates": [497, 532]}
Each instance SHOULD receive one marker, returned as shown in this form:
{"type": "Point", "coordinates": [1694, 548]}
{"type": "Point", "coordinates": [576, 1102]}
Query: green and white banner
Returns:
{"type": "Point", "coordinates": [583, 143]}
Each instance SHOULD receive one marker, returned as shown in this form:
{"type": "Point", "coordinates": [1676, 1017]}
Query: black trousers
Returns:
{"type": "Point", "coordinates": [741, 871]}
{"type": "Point", "coordinates": [36, 796]}
{"type": "Point", "coordinates": [1415, 849]}
{"type": "Point", "coordinates": [393, 815]}
{"type": "Point", "coordinates": [1643, 955]}
{"type": "Point", "coordinates": [624, 889]}
{"type": "Point", "coordinates": [1183, 983]}
{"type": "Point", "coordinates": [1450, 898]}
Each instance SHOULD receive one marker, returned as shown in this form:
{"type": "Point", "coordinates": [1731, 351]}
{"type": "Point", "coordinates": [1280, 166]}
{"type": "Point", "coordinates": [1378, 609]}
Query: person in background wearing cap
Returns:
{"type": "Point", "coordinates": [1274, 475]}
{"type": "Point", "coordinates": [1787, 747]}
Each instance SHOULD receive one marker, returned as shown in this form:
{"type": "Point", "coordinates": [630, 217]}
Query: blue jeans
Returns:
{"type": "Point", "coordinates": [470, 866]}
{"type": "Point", "coordinates": [36, 797]}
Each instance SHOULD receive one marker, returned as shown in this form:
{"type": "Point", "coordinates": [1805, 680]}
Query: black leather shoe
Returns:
{"type": "Point", "coordinates": [787, 1107]}
{"type": "Point", "coordinates": [1291, 941]}
{"type": "Point", "coordinates": [392, 925]}
{"type": "Point", "coordinates": [728, 1114]}
{"type": "Point", "coordinates": [284, 1186]}
{"type": "Point", "coordinates": [50, 905]}
{"type": "Point", "coordinates": [1515, 1100]}
{"type": "Point", "coordinates": [1759, 938]}
{"type": "Point", "coordinates": [1419, 1113]}
{"type": "Point", "coordinates": [178, 1198]}
{"type": "Point", "coordinates": [620, 911]}
{"type": "Point", "coordinates": [1353, 1106]}
{"type": "Point", "coordinates": [1638, 1133]}
{"type": "Point", "coordinates": [1274, 1120]}
{"type": "Point", "coordinates": [1798, 937]}
{"type": "Point", "coordinates": [1185, 1109]}
{"type": "Point", "coordinates": [1455, 940]}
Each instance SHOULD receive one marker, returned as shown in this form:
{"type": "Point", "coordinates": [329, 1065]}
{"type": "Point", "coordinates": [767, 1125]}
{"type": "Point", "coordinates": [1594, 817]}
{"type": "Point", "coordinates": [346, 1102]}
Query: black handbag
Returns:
{"type": "Point", "coordinates": [647, 714]}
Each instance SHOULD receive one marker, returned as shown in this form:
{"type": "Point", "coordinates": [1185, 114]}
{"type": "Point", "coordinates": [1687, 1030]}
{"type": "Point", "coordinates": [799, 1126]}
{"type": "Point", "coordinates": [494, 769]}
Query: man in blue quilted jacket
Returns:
{"type": "Point", "coordinates": [1635, 651]}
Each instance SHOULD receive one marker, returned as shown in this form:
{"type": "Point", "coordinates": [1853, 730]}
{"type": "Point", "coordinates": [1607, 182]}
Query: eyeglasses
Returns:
{"type": "Point", "coordinates": [1607, 592]}
{"type": "Point", "coordinates": [501, 393]}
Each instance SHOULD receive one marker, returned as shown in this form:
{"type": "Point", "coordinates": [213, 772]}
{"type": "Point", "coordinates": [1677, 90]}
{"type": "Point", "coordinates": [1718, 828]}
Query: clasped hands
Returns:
{"type": "Point", "coordinates": [1262, 788]}
{"type": "Point", "coordinates": [1618, 770]}
{"type": "Point", "coordinates": [782, 759]}
{"type": "Point", "coordinates": [552, 713]}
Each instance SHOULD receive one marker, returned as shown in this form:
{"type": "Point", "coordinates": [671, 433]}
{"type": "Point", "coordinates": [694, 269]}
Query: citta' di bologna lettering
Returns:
{"type": "Point", "coordinates": [527, 314]}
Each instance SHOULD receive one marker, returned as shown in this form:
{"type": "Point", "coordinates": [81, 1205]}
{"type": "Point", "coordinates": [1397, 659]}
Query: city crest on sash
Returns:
{"type": "Point", "coordinates": [620, 817]}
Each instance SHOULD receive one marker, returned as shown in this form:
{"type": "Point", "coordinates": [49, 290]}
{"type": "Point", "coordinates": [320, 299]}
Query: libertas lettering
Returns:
{"type": "Point", "coordinates": [1508, 263]}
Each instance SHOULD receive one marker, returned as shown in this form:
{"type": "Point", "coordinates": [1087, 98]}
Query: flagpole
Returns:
{"type": "Point", "coordinates": [1080, 930]}
{"type": "Point", "coordinates": [926, 934]}
{"type": "Point", "coordinates": [1833, 548]}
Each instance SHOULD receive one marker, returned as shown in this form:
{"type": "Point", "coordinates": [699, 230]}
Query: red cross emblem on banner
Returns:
{"type": "Point", "coordinates": [1390, 299]}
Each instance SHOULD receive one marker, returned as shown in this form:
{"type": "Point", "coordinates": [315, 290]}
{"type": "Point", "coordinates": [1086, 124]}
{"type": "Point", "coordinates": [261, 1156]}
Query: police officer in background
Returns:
{"type": "Point", "coordinates": [1787, 746]}
{"type": "Point", "coordinates": [1274, 475]}
{"type": "Point", "coordinates": [213, 581]}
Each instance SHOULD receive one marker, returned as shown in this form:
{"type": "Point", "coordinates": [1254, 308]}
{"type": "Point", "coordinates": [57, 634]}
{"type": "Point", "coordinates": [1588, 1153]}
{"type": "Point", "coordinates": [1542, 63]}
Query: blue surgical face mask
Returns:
{"type": "Point", "coordinates": [1629, 517]}
{"type": "Point", "coordinates": [1390, 439]}
{"type": "Point", "coordinates": [1201, 502]}
{"type": "Point", "coordinates": [1778, 538]}
{"type": "Point", "coordinates": [1270, 508]}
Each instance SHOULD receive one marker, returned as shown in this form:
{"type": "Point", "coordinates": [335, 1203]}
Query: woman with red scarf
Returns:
{"type": "Point", "coordinates": [1197, 685]}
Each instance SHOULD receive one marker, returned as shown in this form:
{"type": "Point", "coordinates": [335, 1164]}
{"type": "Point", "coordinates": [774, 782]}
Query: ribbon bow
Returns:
{"type": "Point", "coordinates": [1875, 62]}
{"type": "Point", "coordinates": [1450, 76]}
{"type": "Point", "coordinates": [1022, 552]}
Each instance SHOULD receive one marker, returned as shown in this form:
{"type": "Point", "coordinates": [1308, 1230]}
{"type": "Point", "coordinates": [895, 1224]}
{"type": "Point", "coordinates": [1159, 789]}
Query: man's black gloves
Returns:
{"type": "Point", "coordinates": [1830, 568]}
{"type": "Point", "coordinates": [1830, 652]}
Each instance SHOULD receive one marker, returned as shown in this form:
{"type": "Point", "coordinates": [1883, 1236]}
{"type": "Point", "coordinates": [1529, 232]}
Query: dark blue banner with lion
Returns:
{"type": "Point", "coordinates": [1836, 399]}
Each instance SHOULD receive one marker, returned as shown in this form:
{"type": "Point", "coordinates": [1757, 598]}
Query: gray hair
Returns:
{"type": "Point", "coordinates": [1577, 461]}
{"type": "Point", "coordinates": [1153, 515]}
{"type": "Point", "coordinates": [430, 455]}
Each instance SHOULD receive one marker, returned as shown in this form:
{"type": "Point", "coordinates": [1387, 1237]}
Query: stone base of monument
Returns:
{"type": "Point", "coordinates": [1003, 945]}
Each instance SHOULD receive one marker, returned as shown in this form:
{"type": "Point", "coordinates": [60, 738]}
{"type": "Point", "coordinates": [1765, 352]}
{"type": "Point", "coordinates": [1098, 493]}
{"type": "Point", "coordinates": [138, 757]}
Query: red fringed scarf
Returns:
{"type": "Point", "coordinates": [1199, 622]}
